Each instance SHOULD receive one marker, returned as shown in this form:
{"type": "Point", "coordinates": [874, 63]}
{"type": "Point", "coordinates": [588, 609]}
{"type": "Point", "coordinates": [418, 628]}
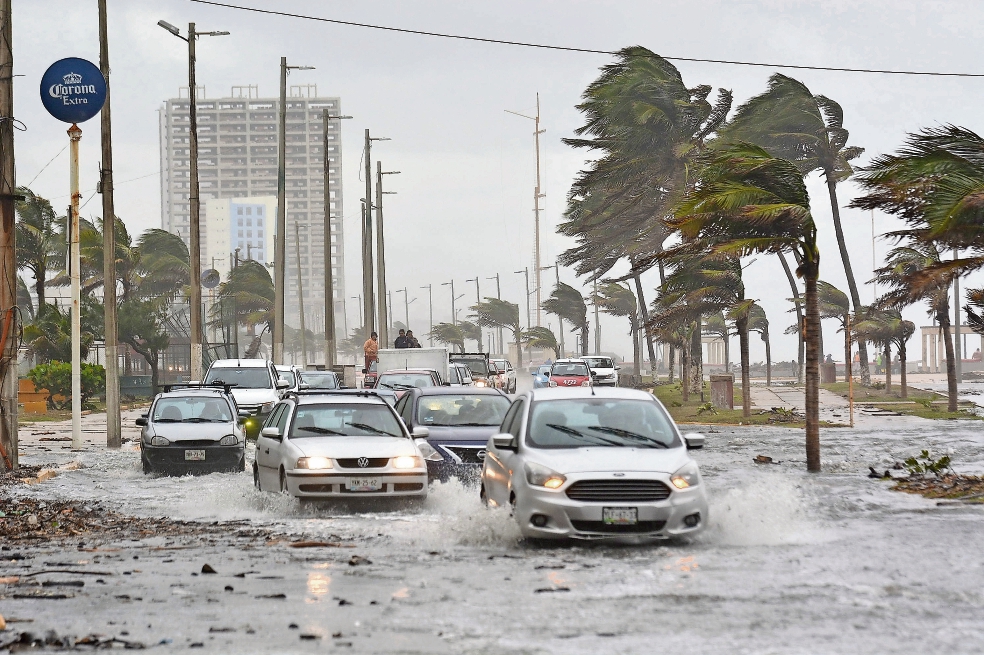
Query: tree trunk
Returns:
{"type": "Point", "coordinates": [847, 348]}
{"type": "Point", "coordinates": [888, 367]}
{"type": "Point", "coordinates": [671, 359]}
{"type": "Point", "coordinates": [517, 337]}
{"type": "Point", "coordinates": [951, 364]}
{"type": "Point", "coordinates": [727, 350]}
{"type": "Point", "coordinates": [584, 340]}
{"type": "Point", "coordinates": [812, 370]}
{"type": "Point", "coordinates": [746, 389]}
{"type": "Point", "coordinates": [39, 276]}
{"type": "Point", "coordinates": [852, 285]}
{"type": "Point", "coordinates": [902, 381]}
{"type": "Point", "coordinates": [768, 359]}
{"type": "Point", "coordinates": [799, 316]}
{"type": "Point", "coordinates": [685, 369]}
{"type": "Point", "coordinates": [696, 379]}
{"type": "Point", "coordinates": [645, 323]}
{"type": "Point", "coordinates": [634, 329]}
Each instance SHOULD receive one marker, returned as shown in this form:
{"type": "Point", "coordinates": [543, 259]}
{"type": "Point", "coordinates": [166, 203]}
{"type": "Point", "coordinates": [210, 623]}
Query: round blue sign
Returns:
{"type": "Point", "coordinates": [73, 90]}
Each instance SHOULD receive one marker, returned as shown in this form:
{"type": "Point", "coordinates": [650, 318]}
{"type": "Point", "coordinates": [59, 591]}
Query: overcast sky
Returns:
{"type": "Point", "coordinates": [464, 202]}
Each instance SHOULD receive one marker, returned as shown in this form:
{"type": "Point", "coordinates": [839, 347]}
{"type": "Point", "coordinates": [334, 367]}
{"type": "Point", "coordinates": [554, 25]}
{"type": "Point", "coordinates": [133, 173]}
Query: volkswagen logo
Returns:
{"type": "Point", "coordinates": [481, 455]}
{"type": "Point", "coordinates": [363, 462]}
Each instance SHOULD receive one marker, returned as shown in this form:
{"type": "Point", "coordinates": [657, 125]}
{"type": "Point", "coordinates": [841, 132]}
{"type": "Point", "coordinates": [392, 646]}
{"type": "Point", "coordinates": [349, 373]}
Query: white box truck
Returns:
{"type": "Point", "coordinates": [399, 359]}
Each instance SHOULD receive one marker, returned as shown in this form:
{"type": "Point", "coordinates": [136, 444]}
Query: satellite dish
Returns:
{"type": "Point", "coordinates": [210, 278]}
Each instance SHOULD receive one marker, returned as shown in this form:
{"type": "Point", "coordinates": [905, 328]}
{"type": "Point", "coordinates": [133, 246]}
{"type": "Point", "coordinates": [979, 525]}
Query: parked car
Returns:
{"type": "Point", "coordinates": [459, 376]}
{"type": "Point", "coordinates": [566, 373]}
{"type": "Point", "coordinates": [338, 444]}
{"type": "Point", "coordinates": [318, 380]}
{"type": "Point", "coordinates": [370, 375]}
{"type": "Point", "coordinates": [255, 385]}
{"type": "Point", "coordinates": [507, 375]}
{"type": "Point", "coordinates": [452, 427]}
{"type": "Point", "coordinates": [402, 380]}
{"type": "Point", "coordinates": [594, 463]}
{"type": "Point", "coordinates": [288, 373]}
{"type": "Point", "coordinates": [604, 372]}
{"type": "Point", "coordinates": [541, 376]}
{"type": "Point", "coordinates": [192, 429]}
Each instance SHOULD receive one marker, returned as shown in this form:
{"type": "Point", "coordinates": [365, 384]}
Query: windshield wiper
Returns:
{"type": "Point", "coordinates": [633, 436]}
{"type": "Point", "coordinates": [478, 425]}
{"type": "Point", "coordinates": [581, 435]}
{"type": "Point", "coordinates": [399, 385]}
{"type": "Point", "coordinates": [200, 419]}
{"type": "Point", "coordinates": [320, 430]}
{"type": "Point", "coordinates": [167, 420]}
{"type": "Point", "coordinates": [371, 428]}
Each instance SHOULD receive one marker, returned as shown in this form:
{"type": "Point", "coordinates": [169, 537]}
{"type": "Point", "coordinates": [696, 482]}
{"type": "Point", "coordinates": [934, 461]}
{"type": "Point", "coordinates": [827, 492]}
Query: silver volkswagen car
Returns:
{"type": "Point", "coordinates": [594, 463]}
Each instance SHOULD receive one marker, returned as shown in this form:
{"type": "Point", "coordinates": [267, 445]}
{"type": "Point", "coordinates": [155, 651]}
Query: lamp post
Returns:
{"type": "Point", "coordinates": [406, 305]}
{"type": "Point", "coordinates": [280, 245]}
{"type": "Point", "coordinates": [369, 296]}
{"type": "Point", "coordinates": [362, 316]}
{"type": "Point", "coordinates": [194, 205]}
{"type": "Point", "coordinates": [331, 347]}
{"type": "Point", "coordinates": [430, 303]}
{"type": "Point", "coordinates": [526, 272]}
{"type": "Point", "coordinates": [498, 295]}
{"type": "Point", "coordinates": [384, 318]}
{"type": "Point", "coordinates": [560, 321]}
{"type": "Point", "coordinates": [454, 319]}
{"type": "Point", "coordinates": [478, 300]}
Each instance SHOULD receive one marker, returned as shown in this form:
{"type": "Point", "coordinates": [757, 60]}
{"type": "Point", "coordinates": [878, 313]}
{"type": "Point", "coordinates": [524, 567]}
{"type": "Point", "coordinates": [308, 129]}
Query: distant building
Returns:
{"type": "Point", "coordinates": [237, 164]}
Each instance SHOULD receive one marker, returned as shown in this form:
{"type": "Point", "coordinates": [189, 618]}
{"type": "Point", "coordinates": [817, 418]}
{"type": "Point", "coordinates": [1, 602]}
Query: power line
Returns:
{"type": "Point", "coordinates": [544, 46]}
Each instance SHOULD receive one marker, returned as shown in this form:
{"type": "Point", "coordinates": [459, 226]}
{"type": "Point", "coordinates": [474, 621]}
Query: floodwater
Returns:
{"type": "Point", "coordinates": [791, 563]}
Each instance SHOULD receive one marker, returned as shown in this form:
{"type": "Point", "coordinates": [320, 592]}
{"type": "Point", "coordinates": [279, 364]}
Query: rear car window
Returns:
{"type": "Point", "coordinates": [243, 378]}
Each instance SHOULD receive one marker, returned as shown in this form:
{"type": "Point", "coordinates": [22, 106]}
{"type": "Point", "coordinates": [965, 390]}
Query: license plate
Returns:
{"type": "Point", "coordinates": [364, 484]}
{"type": "Point", "coordinates": [194, 455]}
{"type": "Point", "coordinates": [619, 515]}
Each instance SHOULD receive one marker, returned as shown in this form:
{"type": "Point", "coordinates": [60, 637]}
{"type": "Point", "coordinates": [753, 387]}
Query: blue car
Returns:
{"type": "Point", "coordinates": [452, 427]}
{"type": "Point", "coordinates": [541, 376]}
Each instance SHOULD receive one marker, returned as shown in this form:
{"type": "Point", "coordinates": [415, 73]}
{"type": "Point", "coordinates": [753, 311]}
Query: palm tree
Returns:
{"type": "Point", "coordinates": [495, 313]}
{"type": "Point", "coordinates": [616, 300]}
{"type": "Point", "coordinates": [141, 325]}
{"type": "Point", "coordinates": [249, 290]}
{"type": "Point", "coordinates": [792, 123]}
{"type": "Point", "coordinates": [975, 298]}
{"type": "Point", "coordinates": [875, 326]}
{"type": "Point", "coordinates": [747, 202]}
{"type": "Point", "coordinates": [541, 337]}
{"type": "Point", "coordinates": [39, 244]}
{"type": "Point", "coordinates": [759, 322]}
{"type": "Point", "coordinates": [24, 301]}
{"type": "Point", "coordinates": [449, 334]}
{"type": "Point", "coordinates": [835, 304]}
{"type": "Point", "coordinates": [568, 305]}
{"type": "Point", "coordinates": [471, 331]}
{"type": "Point", "coordinates": [163, 265]}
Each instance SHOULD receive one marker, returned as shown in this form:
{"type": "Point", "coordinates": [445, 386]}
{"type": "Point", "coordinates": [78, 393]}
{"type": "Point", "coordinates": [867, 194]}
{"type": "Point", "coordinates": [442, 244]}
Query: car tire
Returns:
{"type": "Point", "coordinates": [242, 463]}
{"type": "Point", "coordinates": [283, 482]}
{"type": "Point", "coordinates": [256, 477]}
{"type": "Point", "coordinates": [484, 496]}
{"type": "Point", "coordinates": [146, 466]}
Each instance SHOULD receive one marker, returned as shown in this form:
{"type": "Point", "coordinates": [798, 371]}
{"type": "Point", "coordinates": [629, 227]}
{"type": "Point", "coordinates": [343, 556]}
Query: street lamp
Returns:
{"type": "Point", "coordinates": [560, 321]}
{"type": "Point", "coordinates": [478, 300]}
{"type": "Point", "coordinates": [367, 284]}
{"type": "Point", "coordinates": [331, 350]}
{"type": "Point", "coordinates": [194, 232]}
{"type": "Point", "coordinates": [498, 295]}
{"type": "Point", "coordinates": [384, 320]}
{"type": "Point", "coordinates": [430, 302]}
{"type": "Point", "coordinates": [454, 318]}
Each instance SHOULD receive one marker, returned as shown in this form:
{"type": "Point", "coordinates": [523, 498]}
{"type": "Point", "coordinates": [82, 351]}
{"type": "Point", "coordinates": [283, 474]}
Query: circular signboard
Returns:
{"type": "Point", "coordinates": [210, 278]}
{"type": "Point", "coordinates": [73, 90]}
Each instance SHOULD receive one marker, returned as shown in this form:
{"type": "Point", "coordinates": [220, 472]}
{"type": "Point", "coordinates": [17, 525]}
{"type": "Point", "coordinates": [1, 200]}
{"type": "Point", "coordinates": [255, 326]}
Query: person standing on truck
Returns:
{"type": "Point", "coordinates": [371, 350]}
{"type": "Point", "coordinates": [401, 341]}
{"type": "Point", "coordinates": [412, 340]}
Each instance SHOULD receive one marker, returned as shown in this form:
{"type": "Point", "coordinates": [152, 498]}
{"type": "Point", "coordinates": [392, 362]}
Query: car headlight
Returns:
{"type": "Point", "coordinates": [687, 476]}
{"type": "Point", "coordinates": [428, 451]}
{"type": "Point", "coordinates": [313, 463]}
{"type": "Point", "coordinates": [266, 408]}
{"type": "Point", "coordinates": [229, 440]}
{"type": "Point", "coordinates": [407, 462]}
{"type": "Point", "coordinates": [479, 383]}
{"type": "Point", "coordinates": [551, 384]}
{"type": "Point", "coordinates": [586, 383]}
{"type": "Point", "coordinates": [541, 476]}
{"type": "Point", "coordinates": [159, 441]}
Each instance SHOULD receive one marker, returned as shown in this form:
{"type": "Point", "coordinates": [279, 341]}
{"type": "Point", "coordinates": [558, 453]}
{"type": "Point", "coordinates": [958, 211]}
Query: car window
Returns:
{"type": "Point", "coordinates": [192, 409]}
{"type": "Point", "coordinates": [344, 420]}
{"type": "Point", "coordinates": [463, 409]}
{"type": "Point", "coordinates": [288, 376]}
{"type": "Point", "coordinates": [405, 380]}
{"type": "Point", "coordinates": [599, 362]}
{"type": "Point", "coordinates": [569, 368]}
{"type": "Point", "coordinates": [517, 421]}
{"type": "Point", "coordinates": [600, 422]}
{"type": "Point", "coordinates": [510, 415]}
{"type": "Point", "coordinates": [275, 416]}
{"type": "Point", "coordinates": [405, 408]}
{"type": "Point", "coordinates": [543, 370]}
{"type": "Point", "coordinates": [453, 377]}
{"type": "Point", "coordinates": [318, 379]}
{"type": "Point", "coordinates": [242, 378]}
{"type": "Point", "coordinates": [477, 366]}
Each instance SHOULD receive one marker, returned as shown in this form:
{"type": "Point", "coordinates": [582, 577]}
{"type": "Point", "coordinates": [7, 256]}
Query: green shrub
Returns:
{"type": "Point", "coordinates": [924, 463]}
{"type": "Point", "coordinates": [56, 377]}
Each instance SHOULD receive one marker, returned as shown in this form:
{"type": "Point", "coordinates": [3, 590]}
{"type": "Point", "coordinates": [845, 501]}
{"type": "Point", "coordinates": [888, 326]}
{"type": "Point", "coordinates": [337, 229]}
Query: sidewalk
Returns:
{"type": "Point", "coordinates": [833, 408]}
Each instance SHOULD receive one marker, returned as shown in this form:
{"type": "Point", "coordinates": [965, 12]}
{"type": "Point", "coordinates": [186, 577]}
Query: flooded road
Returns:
{"type": "Point", "coordinates": [791, 563]}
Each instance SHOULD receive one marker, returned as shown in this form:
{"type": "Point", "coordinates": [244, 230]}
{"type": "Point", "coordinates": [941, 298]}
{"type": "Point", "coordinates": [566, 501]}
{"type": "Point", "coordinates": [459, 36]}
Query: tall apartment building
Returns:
{"type": "Point", "coordinates": [237, 159]}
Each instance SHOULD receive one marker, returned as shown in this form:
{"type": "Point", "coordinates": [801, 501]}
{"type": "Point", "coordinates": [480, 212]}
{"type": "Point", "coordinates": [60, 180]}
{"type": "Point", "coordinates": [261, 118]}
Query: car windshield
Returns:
{"type": "Point", "coordinates": [477, 366]}
{"type": "Point", "coordinates": [244, 378]}
{"type": "Point", "coordinates": [404, 380]}
{"type": "Point", "coordinates": [501, 364]}
{"type": "Point", "coordinates": [600, 422]}
{"type": "Point", "coordinates": [288, 376]}
{"type": "Point", "coordinates": [344, 420]}
{"type": "Point", "coordinates": [464, 409]}
{"type": "Point", "coordinates": [572, 368]}
{"type": "Point", "coordinates": [192, 409]}
{"type": "Point", "coordinates": [599, 362]}
{"type": "Point", "coordinates": [319, 380]}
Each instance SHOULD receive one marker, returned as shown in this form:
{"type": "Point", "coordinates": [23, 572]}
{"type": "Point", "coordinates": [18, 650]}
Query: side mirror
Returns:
{"type": "Point", "coordinates": [283, 384]}
{"type": "Point", "coordinates": [364, 371]}
{"type": "Point", "coordinates": [503, 442]}
{"type": "Point", "coordinates": [546, 374]}
{"type": "Point", "coordinates": [271, 433]}
{"type": "Point", "coordinates": [694, 440]}
{"type": "Point", "coordinates": [142, 421]}
{"type": "Point", "coordinates": [420, 432]}
{"type": "Point", "coordinates": [342, 386]}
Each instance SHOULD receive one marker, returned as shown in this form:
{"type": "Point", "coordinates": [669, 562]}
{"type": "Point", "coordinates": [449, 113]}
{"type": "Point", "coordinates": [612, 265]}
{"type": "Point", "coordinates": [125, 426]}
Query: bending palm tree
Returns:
{"type": "Point", "coordinates": [759, 322]}
{"type": "Point", "coordinates": [495, 313]}
{"type": "Point", "coordinates": [448, 334]}
{"type": "Point", "coordinates": [567, 304]}
{"type": "Point", "coordinates": [39, 244]}
{"type": "Point", "coordinates": [835, 304]}
{"type": "Point", "coordinates": [616, 300]}
{"type": "Point", "coordinates": [543, 338]}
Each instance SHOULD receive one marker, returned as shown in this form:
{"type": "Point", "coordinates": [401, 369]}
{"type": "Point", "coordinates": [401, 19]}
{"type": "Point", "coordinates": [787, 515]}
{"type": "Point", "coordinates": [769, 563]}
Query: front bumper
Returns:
{"type": "Point", "coordinates": [573, 519]}
{"type": "Point", "coordinates": [167, 459]}
{"type": "Point", "coordinates": [333, 483]}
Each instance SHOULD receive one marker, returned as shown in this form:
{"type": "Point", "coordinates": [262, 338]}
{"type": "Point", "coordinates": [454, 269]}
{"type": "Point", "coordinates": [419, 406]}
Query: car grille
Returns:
{"type": "Point", "coordinates": [468, 455]}
{"type": "Point", "coordinates": [353, 463]}
{"type": "Point", "coordinates": [195, 443]}
{"type": "Point", "coordinates": [641, 527]}
{"type": "Point", "coordinates": [252, 409]}
{"type": "Point", "coordinates": [597, 491]}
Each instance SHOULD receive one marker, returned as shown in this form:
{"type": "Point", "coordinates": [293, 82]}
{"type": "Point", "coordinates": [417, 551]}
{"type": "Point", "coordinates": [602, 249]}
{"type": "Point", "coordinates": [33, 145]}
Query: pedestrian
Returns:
{"type": "Point", "coordinates": [401, 341]}
{"type": "Point", "coordinates": [371, 350]}
{"type": "Point", "coordinates": [412, 340]}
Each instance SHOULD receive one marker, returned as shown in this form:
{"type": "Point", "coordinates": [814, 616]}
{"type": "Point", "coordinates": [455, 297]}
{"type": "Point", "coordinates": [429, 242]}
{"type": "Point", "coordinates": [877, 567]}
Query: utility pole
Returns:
{"type": "Point", "coordinates": [362, 317]}
{"type": "Point", "coordinates": [10, 326]}
{"type": "Point", "coordinates": [478, 300]}
{"type": "Point", "coordinates": [536, 204]}
{"type": "Point", "coordinates": [454, 316]}
{"type": "Point", "coordinates": [300, 292]}
{"type": "Point", "coordinates": [389, 300]}
{"type": "Point", "coordinates": [75, 135]}
{"type": "Point", "coordinates": [367, 241]}
{"type": "Point", "coordinates": [430, 303]}
{"type": "Point", "coordinates": [113, 427]}
{"type": "Point", "coordinates": [331, 347]}
{"type": "Point", "coordinates": [560, 321]}
{"type": "Point", "coordinates": [384, 318]}
{"type": "Point", "coordinates": [526, 272]}
{"type": "Point", "coordinates": [498, 295]}
{"type": "Point", "coordinates": [597, 338]}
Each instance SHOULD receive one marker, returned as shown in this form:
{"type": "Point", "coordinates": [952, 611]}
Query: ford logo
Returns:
{"type": "Point", "coordinates": [363, 462]}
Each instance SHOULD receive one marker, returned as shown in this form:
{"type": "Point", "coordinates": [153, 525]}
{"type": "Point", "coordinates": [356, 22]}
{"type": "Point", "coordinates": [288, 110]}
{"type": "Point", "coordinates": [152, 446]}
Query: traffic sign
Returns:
{"type": "Point", "coordinates": [73, 90]}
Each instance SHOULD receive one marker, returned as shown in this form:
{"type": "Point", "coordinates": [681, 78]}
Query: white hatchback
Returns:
{"type": "Point", "coordinates": [338, 444]}
{"type": "Point", "coordinates": [594, 463]}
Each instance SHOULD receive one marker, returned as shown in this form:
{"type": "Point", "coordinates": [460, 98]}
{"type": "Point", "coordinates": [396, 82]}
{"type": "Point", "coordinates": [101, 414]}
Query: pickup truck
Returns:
{"type": "Point", "coordinates": [479, 365]}
{"type": "Point", "coordinates": [399, 359]}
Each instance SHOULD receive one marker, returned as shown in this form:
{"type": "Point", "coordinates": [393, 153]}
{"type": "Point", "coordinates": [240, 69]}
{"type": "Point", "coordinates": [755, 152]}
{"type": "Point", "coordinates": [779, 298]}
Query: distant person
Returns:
{"type": "Point", "coordinates": [412, 340]}
{"type": "Point", "coordinates": [829, 360]}
{"type": "Point", "coordinates": [371, 350]}
{"type": "Point", "coordinates": [401, 341]}
{"type": "Point", "coordinates": [976, 357]}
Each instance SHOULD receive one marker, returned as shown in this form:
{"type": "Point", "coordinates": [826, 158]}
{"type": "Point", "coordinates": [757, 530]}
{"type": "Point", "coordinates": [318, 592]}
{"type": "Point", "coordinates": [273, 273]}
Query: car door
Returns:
{"type": "Point", "coordinates": [268, 448]}
{"type": "Point", "coordinates": [499, 463]}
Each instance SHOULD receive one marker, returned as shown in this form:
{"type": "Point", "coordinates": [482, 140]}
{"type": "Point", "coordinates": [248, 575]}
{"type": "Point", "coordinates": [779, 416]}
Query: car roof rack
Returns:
{"type": "Point", "coordinates": [215, 386]}
{"type": "Point", "coordinates": [334, 392]}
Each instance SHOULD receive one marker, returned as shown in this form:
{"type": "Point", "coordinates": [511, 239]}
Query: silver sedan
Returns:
{"type": "Point", "coordinates": [594, 463]}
